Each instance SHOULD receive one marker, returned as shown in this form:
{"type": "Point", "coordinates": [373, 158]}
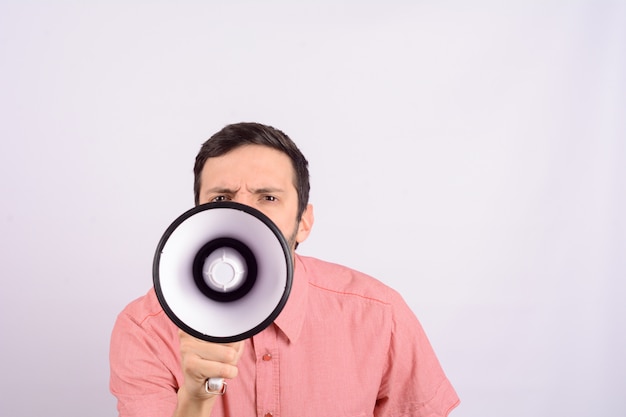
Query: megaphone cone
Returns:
{"type": "Point", "coordinates": [222, 272]}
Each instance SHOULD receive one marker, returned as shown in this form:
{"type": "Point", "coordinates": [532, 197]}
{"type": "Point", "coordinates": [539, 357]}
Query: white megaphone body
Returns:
{"type": "Point", "coordinates": [222, 272]}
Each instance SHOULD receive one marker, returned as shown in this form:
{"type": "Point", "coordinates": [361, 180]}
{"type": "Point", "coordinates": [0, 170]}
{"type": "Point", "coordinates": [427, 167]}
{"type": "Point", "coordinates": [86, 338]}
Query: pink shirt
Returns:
{"type": "Point", "coordinates": [345, 345]}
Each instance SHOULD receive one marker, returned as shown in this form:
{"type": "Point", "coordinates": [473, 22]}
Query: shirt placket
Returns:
{"type": "Point", "coordinates": [267, 373]}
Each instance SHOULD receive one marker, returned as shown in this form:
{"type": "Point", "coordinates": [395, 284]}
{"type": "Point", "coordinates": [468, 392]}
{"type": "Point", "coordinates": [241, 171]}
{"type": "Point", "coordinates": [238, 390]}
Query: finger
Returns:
{"type": "Point", "coordinates": [200, 369]}
{"type": "Point", "coordinates": [240, 347]}
{"type": "Point", "coordinates": [235, 349]}
{"type": "Point", "coordinates": [228, 353]}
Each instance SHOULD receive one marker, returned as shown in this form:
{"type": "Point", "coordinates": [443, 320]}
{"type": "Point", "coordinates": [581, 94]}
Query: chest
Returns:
{"type": "Point", "coordinates": [334, 367]}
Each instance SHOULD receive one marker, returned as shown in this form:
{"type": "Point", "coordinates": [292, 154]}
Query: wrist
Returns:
{"type": "Point", "coordinates": [194, 404]}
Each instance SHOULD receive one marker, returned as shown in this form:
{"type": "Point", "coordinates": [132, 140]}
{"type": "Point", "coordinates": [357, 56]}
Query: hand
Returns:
{"type": "Point", "coordinates": [201, 360]}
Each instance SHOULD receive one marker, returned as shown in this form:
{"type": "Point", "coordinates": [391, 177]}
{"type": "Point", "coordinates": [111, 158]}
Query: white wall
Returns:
{"type": "Point", "coordinates": [471, 156]}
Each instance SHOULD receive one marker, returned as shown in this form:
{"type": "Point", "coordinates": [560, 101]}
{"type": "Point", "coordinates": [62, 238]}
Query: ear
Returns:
{"type": "Point", "coordinates": [305, 225]}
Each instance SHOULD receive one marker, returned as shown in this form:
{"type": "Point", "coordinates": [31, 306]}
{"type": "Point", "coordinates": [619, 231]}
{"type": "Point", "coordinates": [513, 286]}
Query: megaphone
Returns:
{"type": "Point", "coordinates": [222, 272]}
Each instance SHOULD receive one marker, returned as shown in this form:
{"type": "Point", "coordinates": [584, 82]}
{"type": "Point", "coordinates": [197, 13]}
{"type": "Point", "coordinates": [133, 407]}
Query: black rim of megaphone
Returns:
{"type": "Point", "coordinates": [157, 280]}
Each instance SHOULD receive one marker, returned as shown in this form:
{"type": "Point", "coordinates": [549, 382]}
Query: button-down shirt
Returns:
{"type": "Point", "coordinates": [344, 345]}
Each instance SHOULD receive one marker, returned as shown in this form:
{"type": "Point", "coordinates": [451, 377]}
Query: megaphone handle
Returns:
{"type": "Point", "coordinates": [215, 386]}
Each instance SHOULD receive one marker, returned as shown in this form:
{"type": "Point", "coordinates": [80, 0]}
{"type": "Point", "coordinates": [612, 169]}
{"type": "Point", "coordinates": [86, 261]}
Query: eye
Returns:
{"type": "Point", "coordinates": [270, 198]}
{"type": "Point", "coordinates": [219, 198]}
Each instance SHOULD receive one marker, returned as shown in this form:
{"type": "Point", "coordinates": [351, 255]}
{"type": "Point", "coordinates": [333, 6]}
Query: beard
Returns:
{"type": "Point", "coordinates": [291, 240]}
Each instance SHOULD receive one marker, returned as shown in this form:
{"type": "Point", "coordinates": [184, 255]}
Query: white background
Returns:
{"type": "Point", "coordinates": [469, 154]}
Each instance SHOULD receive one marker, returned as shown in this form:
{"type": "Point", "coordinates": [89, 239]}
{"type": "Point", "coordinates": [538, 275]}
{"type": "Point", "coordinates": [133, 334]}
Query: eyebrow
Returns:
{"type": "Point", "coordinates": [220, 190]}
{"type": "Point", "coordinates": [267, 190]}
{"type": "Point", "coordinates": [226, 190]}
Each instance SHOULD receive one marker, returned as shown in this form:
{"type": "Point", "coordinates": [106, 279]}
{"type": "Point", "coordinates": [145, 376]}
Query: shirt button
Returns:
{"type": "Point", "coordinates": [267, 357]}
{"type": "Point", "coordinates": [268, 414]}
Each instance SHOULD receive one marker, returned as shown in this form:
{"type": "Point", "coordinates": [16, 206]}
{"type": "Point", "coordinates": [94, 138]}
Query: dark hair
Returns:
{"type": "Point", "coordinates": [239, 134]}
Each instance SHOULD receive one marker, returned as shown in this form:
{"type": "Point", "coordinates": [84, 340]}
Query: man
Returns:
{"type": "Point", "coordinates": [344, 344]}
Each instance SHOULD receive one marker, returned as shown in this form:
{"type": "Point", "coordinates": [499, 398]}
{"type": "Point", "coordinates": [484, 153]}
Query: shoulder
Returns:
{"type": "Point", "coordinates": [143, 308]}
{"type": "Point", "coordinates": [142, 328]}
{"type": "Point", "coordinates": [339, 279]}
{"type": "Point", "coordinates": [145, 313]}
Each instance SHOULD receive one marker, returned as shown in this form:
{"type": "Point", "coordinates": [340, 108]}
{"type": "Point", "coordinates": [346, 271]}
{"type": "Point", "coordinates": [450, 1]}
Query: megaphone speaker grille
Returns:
{"type": "Point", "coordinates": [222, 272]}
{"type": "Point", "coordinates": [225, 269]}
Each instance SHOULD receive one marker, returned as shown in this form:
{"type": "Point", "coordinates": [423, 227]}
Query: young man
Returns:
{"type": "Point", "coordinates": [344, 344]}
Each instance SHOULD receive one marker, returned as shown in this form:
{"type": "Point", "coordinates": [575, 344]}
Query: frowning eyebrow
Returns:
{"type": "Point", "coordinates": [226, 190]}
{"type": "Point", "coordinates": [221, 190]}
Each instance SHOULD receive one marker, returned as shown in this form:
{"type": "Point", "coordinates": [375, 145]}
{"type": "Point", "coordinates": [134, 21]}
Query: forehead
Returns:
{"type": "Point", "coordinates": [250, 162]}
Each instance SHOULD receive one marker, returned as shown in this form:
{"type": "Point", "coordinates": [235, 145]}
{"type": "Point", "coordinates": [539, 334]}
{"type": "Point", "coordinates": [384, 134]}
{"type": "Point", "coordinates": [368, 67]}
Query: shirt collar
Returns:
{"type": "Point", "coordinates": [290, 320]}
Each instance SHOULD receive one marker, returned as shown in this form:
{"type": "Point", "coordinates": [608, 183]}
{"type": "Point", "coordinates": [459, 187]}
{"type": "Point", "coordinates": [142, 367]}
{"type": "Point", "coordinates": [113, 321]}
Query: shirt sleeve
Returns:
{"type": "Point", "coordinates": [143, 376]}
{"type": "Point", "coordinates": [414, 384]}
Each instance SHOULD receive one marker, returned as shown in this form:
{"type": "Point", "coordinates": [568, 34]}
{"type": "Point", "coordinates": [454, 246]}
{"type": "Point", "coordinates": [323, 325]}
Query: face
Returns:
{"type": "Point", "coordinates": [262, 178]}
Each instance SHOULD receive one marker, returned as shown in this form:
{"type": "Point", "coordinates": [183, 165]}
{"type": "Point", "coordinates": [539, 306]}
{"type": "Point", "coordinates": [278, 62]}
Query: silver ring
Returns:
{"type": "Point", "coordinates": [215, 386]}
